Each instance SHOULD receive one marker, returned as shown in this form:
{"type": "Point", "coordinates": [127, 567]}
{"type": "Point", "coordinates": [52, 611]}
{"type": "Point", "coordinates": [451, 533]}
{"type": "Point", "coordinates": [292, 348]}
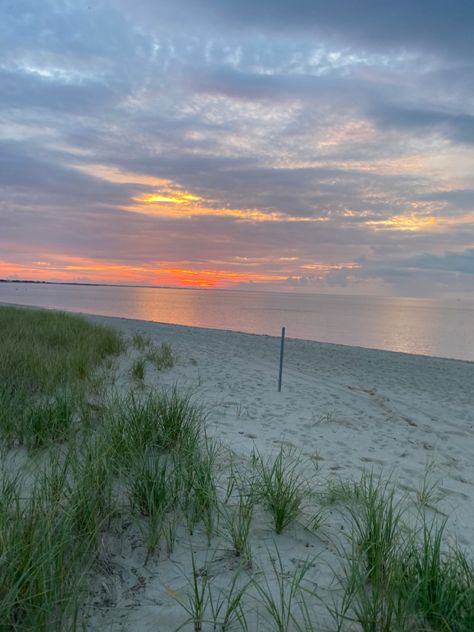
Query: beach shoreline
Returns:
{"type": "Point", "coordinates": [233, 331]}
{"type": "Point", "coordinates": [386, 408]}
{"type": "Point", "coordinates": [343, 411]}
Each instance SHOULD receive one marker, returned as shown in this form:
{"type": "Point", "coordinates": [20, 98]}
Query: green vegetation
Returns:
{"type": "Point", "coordinates": [373, 569]}
{"type": "Point", "coordinates": [224, 611]}
{"type": "Point", "coordinates": [161, 357]}
{"type": "Point", "coordinates": [281, 488]}
{"type": "Point", "coordinates": [428, 492]}
{"type": "Point", "coordinates": [159, 420]}
{"type": "Point", "coordinates": [138, 369]}
{"type": "Point", "coordinates": [46, 361]}
{"type": "Point", "coordinates": [238, 520]}
{"type": "Point", "coordinates": [49, 530]}
{"type": "Point", "coordinates": [282, 595]}
{"type": "Point", "coordinates": [198, 598]}
{"type": "Point", "coordinates": [50, 539]}
{"type": "Point", "coordinates": [440, 581]}
{"type": "Point", "coordinates": [339, 492]}
{"type": "Point", "coordinates": [145, 460]}
{"type": "Point", "coordinates": [153, 493]}
{"type": "Point", "coordinates": [400, 578]}
{"type": "Point", "coordinates": [41, 562]}
{"type": "Point", "coordinates": [227, 608]}
{"type": "Point", "coordinates": [140, 342]}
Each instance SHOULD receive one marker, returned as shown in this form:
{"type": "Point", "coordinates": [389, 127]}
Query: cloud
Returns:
{"type": "Point", "coordinates": [456, 200]}
{"type": "Point", "coordinates": [37, 176]}
{"type": "Point", "coordinates": [27, 89]}
{"type": "Point", "coordinates": [321, 147]}
{"type": "Point", "coordinates": [458, 126]}
{"type": "Point", "coordinates": [449, 261]}
{"type": "Point", "coordinates": [367, 24]}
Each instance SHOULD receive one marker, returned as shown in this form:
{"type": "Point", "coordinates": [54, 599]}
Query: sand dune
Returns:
{"type": "Point", "coordinates": [344, 410]}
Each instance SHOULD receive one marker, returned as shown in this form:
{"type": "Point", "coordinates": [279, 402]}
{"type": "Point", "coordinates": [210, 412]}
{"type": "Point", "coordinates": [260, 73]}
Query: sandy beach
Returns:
{"type": "Point", "coordinates": [179, 181]}
{"type": "Point", "coordinates": [342, 410]}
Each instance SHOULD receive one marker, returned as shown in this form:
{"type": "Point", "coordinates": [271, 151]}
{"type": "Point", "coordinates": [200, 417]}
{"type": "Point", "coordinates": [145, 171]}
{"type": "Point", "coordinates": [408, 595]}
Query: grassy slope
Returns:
{"type": "Point", "coordinates": [48, 527]}
{"type": "Point", "coordinates": [46, 359]}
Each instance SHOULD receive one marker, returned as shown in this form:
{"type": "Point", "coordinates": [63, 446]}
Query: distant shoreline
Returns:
{"type": "Point", "coordinates": [279, 290]}
{"type": "Point", "coordinates": [149, 287]}
{"type": "Point", "coordinates": [158, 287]}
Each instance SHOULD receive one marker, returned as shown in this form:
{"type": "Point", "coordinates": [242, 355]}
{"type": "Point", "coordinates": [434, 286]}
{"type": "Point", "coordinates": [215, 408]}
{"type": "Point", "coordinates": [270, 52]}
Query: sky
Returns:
{"type": "Point", "coordinates": [287, 145]}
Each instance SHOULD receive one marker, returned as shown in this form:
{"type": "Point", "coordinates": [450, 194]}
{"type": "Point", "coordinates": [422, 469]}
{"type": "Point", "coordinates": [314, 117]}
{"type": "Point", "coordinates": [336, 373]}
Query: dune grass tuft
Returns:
{"type": "Point", "coordinates": [43, 560]}
{"type": "Point", "coordinates": [46, 359]}
{"type": "Point", "coordinates": [137, 369]}
{"type": "Point", "coordinates": [154, 492]}
{"type": "Point", "coordinates": [440, 580]}
{"type": "Point", "coordinates": [140, 342]}
{"type": "Point", "coordinates": [161, 357]}
{"type": "Point", "coordinates": [238, 520]}
{"type": "Point", "coordinates": [280, 487]}
{"type": "Point", "coordinates": [282, 595]}
{"type": "Point", "coordinates": [160, 420]}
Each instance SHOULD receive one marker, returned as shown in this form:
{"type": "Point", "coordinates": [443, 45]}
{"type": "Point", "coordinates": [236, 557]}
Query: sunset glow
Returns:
{"type": "Point", "coordinates": [405, 222]}
{"type": "Point", "coordinates": [315, 148]}
{"type": "Point", "coordinates": [178, 198]}
{"type": "Point", "coordinates": [66, 268]}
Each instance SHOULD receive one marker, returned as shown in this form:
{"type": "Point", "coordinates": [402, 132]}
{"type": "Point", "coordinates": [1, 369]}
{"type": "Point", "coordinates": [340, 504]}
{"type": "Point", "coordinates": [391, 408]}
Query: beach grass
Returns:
{"type": "Point", "coordinates": [227, 609]}
{"type": "Point", "coordinates": [161, 357]}
{"type": "Point", "coordinates": [214, 607]}
{"type": "Point", "coordinates": [280, 486]}
{"type": "Point", "coordinates": [282, 594]}
{"type": "Point", "coordinates": [137, 369]}
{"type": "Point", "coordinates": [238, 521]}
{"type": "Point", "coordinates": [165, 420]}
{"type": "Point", "coordinates": [374, 569]}
{"type": "Point", "coordinates": [50, 518]}
{"type": "Point", "coordinates": [146, 460]}
{"type": "Point", "coordinates": [195, 467]}
{"type": "Point", "coordinates": [376, 525]}
{"type": "Point", "coordinates": [400, 577]}
{"type": "Point", "coordinates": [43, 560]}
{"type": "Point", "coordinates": [140, 342]}
{"type": "Point", "coordinates": [197, 598]}
{"type": "Point", "coordinates": [338, 491]}
{"type": "Point", "coordinates": [46, 359]}
{"type": "Point", "coordinates": [440, 579]}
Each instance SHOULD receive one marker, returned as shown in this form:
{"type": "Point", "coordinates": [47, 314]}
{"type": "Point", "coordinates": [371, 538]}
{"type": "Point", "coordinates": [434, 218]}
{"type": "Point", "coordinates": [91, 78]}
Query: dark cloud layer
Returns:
{"type": "Point", "coordinates": [434, 25]}
{"type": "Point", "coordinates": [347, 128]}
{"type": "Point", "coordinates": [456, 127]}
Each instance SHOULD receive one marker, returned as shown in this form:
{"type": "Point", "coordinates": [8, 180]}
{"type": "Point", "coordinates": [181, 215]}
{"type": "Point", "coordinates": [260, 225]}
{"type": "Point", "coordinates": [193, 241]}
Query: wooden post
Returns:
{"type": "Point", "coordinates": [282, 348]}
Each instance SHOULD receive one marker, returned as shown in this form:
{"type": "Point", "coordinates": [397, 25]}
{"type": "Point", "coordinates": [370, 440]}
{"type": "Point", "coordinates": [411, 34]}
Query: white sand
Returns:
{"type": "Point", "coordinates": [344, 409]}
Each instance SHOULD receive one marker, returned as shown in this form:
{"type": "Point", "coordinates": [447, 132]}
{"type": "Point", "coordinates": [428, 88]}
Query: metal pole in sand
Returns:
{"type": "Point", "coordinates": [282, 348]}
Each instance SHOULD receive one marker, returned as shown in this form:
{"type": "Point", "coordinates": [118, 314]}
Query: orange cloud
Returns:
{"type": "Point", "coordinates": [66, 268]}
{"type": "Point", "coordinates": [176, 198]}
{"type": "Point", "coordinates": [212, 274]}
{"type": "Point", "coordinates": [410, 223]}
{"type": "Point", "coordinates": [179, 208]}
{"type": "Point", "coordinates": [170, 200]}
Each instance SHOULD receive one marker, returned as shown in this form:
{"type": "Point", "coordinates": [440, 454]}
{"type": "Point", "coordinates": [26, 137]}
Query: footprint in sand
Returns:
{"type": "Point", "coordinates": [249, 435]}
{"type": "Point", "coordinates": [367, 459]}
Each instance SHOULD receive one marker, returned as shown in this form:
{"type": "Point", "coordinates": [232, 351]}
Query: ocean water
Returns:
{"type": "Point", "coordinates": [410, 325]}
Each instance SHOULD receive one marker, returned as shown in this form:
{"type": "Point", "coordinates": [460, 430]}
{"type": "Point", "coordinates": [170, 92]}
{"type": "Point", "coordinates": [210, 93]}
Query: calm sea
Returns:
{"type": "Point", "coordinates": [421, 326]}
